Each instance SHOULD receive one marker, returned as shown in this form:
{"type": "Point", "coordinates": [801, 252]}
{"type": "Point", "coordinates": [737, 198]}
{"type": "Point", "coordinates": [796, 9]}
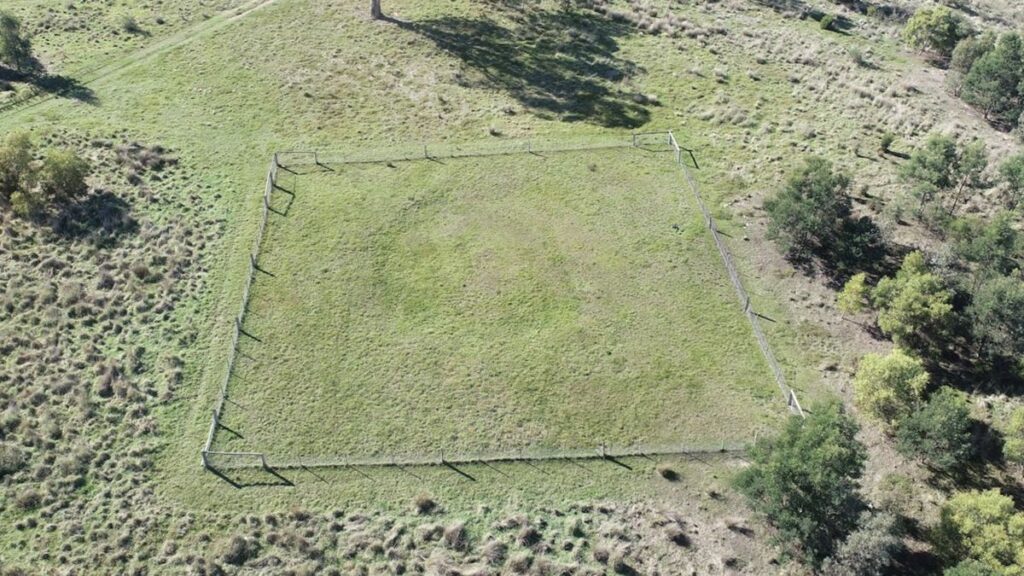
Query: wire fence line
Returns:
{"type": "Point", "coordinates": [293, 160]}
{"type": "Point", "coordinates": [256, 460]}
{"type": "Point", "coordinates": [254, 253]}
{"type": "Point", "coordinates": [780, 378]}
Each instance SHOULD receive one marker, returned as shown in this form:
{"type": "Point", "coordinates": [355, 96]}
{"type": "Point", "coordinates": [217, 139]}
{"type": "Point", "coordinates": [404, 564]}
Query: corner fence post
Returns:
{"type": "Point", "coordinates": [206, 461]}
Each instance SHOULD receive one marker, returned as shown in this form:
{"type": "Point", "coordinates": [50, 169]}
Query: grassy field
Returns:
{"type": "Point", "coordinates": [304, 74]}
{"type": "Point", "coordinates": [489, 304]}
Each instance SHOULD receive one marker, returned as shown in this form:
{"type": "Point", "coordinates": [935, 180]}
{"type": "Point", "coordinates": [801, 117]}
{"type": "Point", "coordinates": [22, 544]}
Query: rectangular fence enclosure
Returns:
{"type": "Point", "coordinates": [526, 300]}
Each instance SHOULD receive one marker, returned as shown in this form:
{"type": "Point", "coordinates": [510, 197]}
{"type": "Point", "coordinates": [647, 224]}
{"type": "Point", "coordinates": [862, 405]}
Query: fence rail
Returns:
{"type": "Point", "coordinates": [236, 333]}
{"type": "Point", "coordinates": [780, 378]}
{"type": "Point", "coordinates": [296, 158]}
{"type": "Point", "coordinates": [253, 460]}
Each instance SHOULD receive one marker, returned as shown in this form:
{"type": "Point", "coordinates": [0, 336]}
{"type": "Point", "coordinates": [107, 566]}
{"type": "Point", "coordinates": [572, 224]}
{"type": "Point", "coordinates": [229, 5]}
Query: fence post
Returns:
{"type": "Point", "coordinates": [425, 154]}
{"type": "Point", "coordinates": [206, 462]}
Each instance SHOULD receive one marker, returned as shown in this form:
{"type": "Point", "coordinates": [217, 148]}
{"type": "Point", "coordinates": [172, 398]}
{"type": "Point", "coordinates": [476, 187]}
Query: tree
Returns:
{"type": "Point", "coordinates": [15, 157]}
{"type": "Point", "coordinates": [913, 306]}
{"type": "Point", "coordinates": [808, 212]}
{"type": "Point", "coordinates": [1012, 174]}
{"type": "Point", "coordinates": [982, 526]}
{"type": "Point", "coordinates": [972, 160]}
{"type": "Point", "coordinates": [889, 387]}
{"type": "Point", "coordinates": [930, 167]}
{"type": "Point", "coordinates": [936, 30]}
{"type": "Point", "coordinates": [966, 54]}
{"type": "Point", "coordinates": [941, 167]}
{"type": "Point", "coordinates": [375, 10]}
{"type": "Point", "coordinates": [62, 175]}
{"type": "Point", "coordinates": [940, 432]}
{"type": "Point", "coordinates": [992, 245]}
{"type": "Point", "coordinates": [15, 49]}
{"type": "Point", "coordinates": [1013, 438]}
{"type": "Point", "coordinates": [997, 316]}
{"type": "Point", "coordinates": [805, 480]}
{"type": "Point", "coordinates": [867, 551]}
{"type": "Point", "coordinates": [994, 81]}
{"type": "Point", "coordinates": [855, 295]}
{"type": "Point", "coordinates": [971, 567]}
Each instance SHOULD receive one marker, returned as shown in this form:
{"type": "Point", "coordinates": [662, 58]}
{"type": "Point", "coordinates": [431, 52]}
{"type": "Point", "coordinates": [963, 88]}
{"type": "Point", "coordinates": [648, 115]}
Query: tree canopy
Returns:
{"type": "Point", "coordinates": [983, 526]}
{"type": "Point", "coordinates": [806, 214]}
{"type": "Point", "coordinates": [936, 30]}
{"type": "Point", "coordinates": [805, 480]}
{"type": "Point", "coordinates": [940, 432]}
{"type": "Point", "coordinates": [915, 305]}
{"type": "Point", "coordinates": [889, 387]}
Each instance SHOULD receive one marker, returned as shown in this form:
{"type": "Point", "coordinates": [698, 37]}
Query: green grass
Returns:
{"type": "Point", "coordinates": [225, 101]}
{"type": "Point", "coordinates": [490, 304]}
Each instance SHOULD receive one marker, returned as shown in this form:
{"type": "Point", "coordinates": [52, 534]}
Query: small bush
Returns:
{"type": "Point", "coordinates": [667, 472]}
{"type": "Point", "coordinates": [886, 142]}
{"type": "Point", "coordinates": [455, 536]}
{"type": "Point", "coordinates": [12, 459]}
{"type": "Point", "coordinates": [237, 550]}
{"type": "Point", "coordinates": [423, 504]}
{"type": "Point", "coordinates": [827, 21]}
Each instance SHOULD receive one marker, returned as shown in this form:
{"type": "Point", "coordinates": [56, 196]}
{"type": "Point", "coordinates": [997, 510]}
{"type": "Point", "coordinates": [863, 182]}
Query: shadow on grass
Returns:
{"type": "Point", "coordinates": [53, 84]}
{"type": "Point", "coordinates": [558, 64]}
{"type": "Point", "coordinates": [101, 216]}
{"type": "Point", "coordinates": [251, 477]}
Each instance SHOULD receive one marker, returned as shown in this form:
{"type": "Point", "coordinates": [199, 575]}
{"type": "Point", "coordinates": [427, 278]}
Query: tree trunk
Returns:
{"type": "Point", "coordinates": [375, 10]}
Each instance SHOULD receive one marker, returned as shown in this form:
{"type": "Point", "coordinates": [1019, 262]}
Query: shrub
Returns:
{"type": "Point", "coordinates": [1013, 438]}
{"type": "Point", "coordinates": [940, 432]}
{"type": "Point", "coordinates": [971, 567]}
{"type": "Point", "coordinates": [827, 21]}
{"type": "Point", "coordinates": [993, 82]}
{"type": "Point", "coordinates": [1011, 172]}
{"type": "Point", "coordinates": [62, 175]}
{"type": "Point", "coordinates": [889, 387]}
{"type": "Point", "coordinates": [982, 526]}
{"type": "Point", "coordinates": [12, 459]}
{"type": "Point", "coordinates": [15, 158]}
{"type": "Point", "coordinates": [237, 550]}
{"type": "Point", "coordinates": [886, 142]}
{"type": "Point", "coordinates": [855, 295]}
{"type": "Point", "coordinates": [941, 167]}
{"type": "Point", "coordinates": [936, 30]}
{"type": "Point", "coordinates": [423, 504]}
{"type": "Point", "coordinates": [805, 214]}
{"type": "Point", "coordinates": [867, 551]}
{"type": "Point", "coordinates": [804, 481]}
{"type": "Point", "coordinates": [914, 306]}
{"type": "Point", "coordinates": [997, 316]}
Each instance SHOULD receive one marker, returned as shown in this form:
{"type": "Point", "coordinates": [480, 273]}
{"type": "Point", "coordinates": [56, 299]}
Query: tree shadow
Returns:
{"type": "Point", "coordinates": [54, 84]}
{"type": "Point", "coordinates": [101, 216]}
{"type": "Point", "coordinates": [562, 64]}
{"type": "Point", "coordinates": [859, 246]}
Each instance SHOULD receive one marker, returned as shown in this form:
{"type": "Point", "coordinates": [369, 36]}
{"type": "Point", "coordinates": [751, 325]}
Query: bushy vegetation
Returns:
{"type": "Point", "coordinates": [943, 170]}
{"type": "Point", "coordinates": [984, 527]}
{"type": "Point", "coordinates": [805, 482]}
{"type": "Point", "coordinates": [939, 432]}
{"type": "Point", "coordinates": [29, 186]}
{"type": "Point", "coordinates": [936, 30]}
{"type": "Point", "coordinates": [890, 387]}
{"type": "Point", "coordinates": [811, 218]}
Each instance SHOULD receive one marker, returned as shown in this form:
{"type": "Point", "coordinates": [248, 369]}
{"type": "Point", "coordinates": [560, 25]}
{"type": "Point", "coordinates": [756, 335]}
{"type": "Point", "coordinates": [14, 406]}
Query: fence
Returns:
{"type": "Point", "coordinates": [249, 460]}
{"type": "Point", "coordinates": [295, 159]}
{"type": "Point", "coordinates": [254, 253]}
{"type": "Point", "coordinates": [780, 378]}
